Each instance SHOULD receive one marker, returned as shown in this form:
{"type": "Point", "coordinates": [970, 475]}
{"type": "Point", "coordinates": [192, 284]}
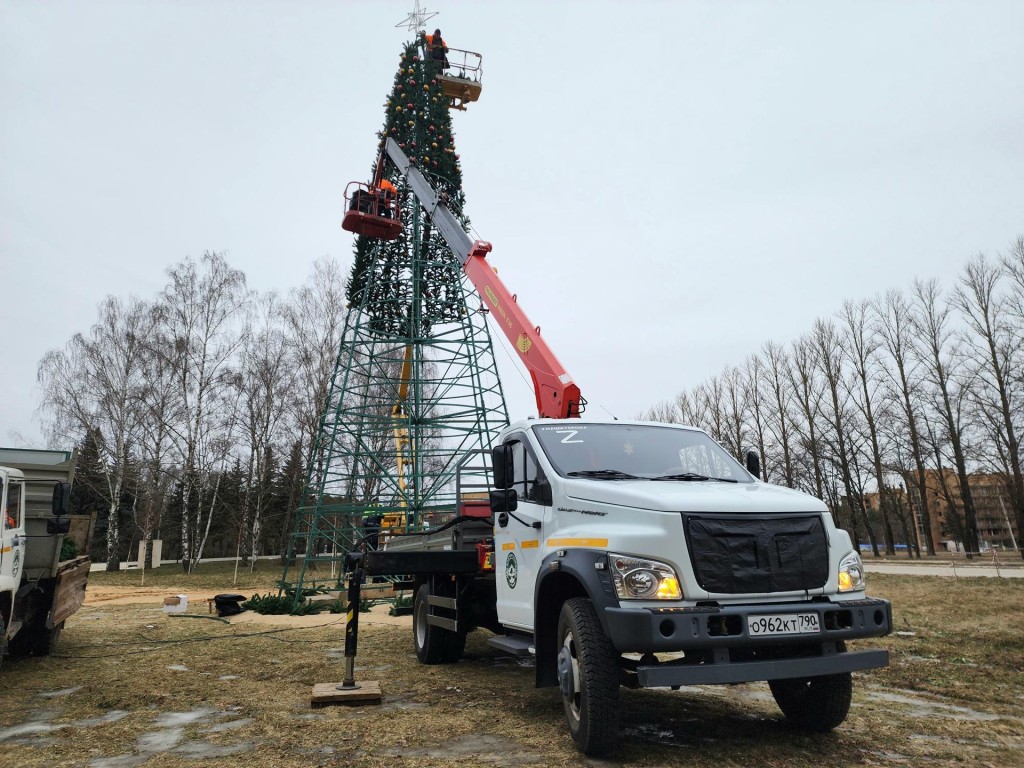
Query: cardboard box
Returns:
{"type": "Point", "coordinates": [176, 604]}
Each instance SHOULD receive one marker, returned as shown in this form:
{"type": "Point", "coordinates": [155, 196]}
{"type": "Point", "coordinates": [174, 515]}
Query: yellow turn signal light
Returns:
{"type": "Point", "coordinates": [668, 589]}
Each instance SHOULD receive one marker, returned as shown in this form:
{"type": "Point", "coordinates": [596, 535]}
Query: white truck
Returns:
{"type": "Point", "coordinates": [633, 553]}
{"type": "Point", "coordinates": [38, 589]}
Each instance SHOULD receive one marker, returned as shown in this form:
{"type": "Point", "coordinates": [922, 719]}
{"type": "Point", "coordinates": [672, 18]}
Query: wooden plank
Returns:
{"type": "Point", "coordinates": [72, 577]}
{"type": "Point", "coordinates": [368, 692]}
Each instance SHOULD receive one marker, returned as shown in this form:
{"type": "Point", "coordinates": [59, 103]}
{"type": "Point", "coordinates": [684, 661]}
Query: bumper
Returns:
{"type": "Point", "coordinates": [748, 671]}
{"type": "Point", "coordinates": [720, 650]}
{"type": "Point", "coordinates": [710, 628]}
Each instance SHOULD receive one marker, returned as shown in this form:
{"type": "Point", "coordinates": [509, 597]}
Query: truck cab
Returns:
{"type": "Point", "coordinates": [12, 540]}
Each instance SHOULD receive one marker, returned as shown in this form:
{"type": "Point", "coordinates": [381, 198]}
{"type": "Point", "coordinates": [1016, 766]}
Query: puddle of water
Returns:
{"type": "Point", "coordinates": [160, 741]}
{"type": "Point", "coordinates": [231, 725]}
{"type": "Point", "coordinates": [230, 677]}
{"type": "Point", "coordinates": [41, 725]}
{"type": "Point", "coordinates": [508, 661]}
{"type": "Point", "coordinates": [202, 750]}
{"type": "Point", "coordinates": [91, 722]}
{"type": "Point", "coordinates": [118, 761]}
{"type": "Point", "coordinates": [26, 729]}
{"type": "Point", "coordinates": [932, 709]}
{"type": "Point", "coordinates": [172, 719]}
{"type": "Point", "coordinates": [178, 667]}
{"type": "Point", "coordinates": [482, 747]}
{"type": "Point", "coordinates": [658, 735]}
{"type": "Point", "coordinates": [58, 694]}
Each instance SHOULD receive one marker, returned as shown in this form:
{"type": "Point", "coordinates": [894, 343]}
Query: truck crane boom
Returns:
{"type": "Point", "coordinates": [557, 395]}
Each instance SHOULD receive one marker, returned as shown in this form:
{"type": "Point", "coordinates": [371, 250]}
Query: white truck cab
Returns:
{"type": "Point", "coordinates": [12, 533]}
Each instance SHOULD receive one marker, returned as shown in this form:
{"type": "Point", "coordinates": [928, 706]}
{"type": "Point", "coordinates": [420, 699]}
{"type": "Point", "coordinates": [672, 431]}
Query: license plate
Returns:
{"type": "Point", "coordinates": [783, 624]}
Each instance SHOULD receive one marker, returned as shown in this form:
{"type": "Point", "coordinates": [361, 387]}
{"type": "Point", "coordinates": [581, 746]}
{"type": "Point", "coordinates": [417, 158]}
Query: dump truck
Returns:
{"type": "Point", "coordinates": [628, 553]}
{"type": "Point", "coordinates": [39, 589]}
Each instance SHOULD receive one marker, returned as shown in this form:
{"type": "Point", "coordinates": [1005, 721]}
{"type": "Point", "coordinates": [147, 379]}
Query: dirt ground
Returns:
{"type": "Point", "coordinates": [133, 686]}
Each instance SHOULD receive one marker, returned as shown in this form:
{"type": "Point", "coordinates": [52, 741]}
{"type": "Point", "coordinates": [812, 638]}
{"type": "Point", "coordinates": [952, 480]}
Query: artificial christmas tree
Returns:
{"type": "Point", "coordinates": [415, 389]}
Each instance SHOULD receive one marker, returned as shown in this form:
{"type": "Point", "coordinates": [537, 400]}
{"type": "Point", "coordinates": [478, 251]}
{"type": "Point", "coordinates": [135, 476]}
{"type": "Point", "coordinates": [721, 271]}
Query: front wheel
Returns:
{"type": "Point", "coordinates": [816, 704]}
{"type": "Point", "coordinates": [588, 675]}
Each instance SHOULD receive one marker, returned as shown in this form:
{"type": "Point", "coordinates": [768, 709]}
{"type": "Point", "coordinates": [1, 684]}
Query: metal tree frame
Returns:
{"type": "Point", "coordinates": [415, 388]}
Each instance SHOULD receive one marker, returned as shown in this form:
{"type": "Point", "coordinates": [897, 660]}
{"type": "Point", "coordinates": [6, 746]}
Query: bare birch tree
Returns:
{"type": "Point", "coordinates": [94, 384]}
{"type": "Point", "coordinates": [201, 309]}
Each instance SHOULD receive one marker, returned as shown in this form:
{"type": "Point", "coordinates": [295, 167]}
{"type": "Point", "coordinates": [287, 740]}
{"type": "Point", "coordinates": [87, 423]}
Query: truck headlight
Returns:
{"type": "Point", "coordinates": [637, 578]}
{"type": "Point", "coordinates": [851, 573]}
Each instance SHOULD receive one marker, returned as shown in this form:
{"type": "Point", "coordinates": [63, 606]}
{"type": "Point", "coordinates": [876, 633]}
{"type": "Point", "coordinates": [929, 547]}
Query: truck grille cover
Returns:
{"type": "Point", "coordinates": [742, 555]}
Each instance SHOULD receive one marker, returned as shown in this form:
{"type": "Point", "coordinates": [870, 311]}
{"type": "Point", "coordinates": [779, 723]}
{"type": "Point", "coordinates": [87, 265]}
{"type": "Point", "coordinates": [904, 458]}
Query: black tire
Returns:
{"type": "Point", "coordinates": [816, 704]}
{"type": "Point", "coordinates": [35, 640]}
{"type": "Point", "coordinates": [434, 645]}
{"type": "Point", "coordinates": [588, 677]}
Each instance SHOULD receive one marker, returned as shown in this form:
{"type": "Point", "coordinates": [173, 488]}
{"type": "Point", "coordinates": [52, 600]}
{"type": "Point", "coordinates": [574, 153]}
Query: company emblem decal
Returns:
{"type": "Point", "coordinates": [511, 570]}
{"type": "Point", "coordinates": [523, 343]}
{"type": "Point", "coordinates": [17, 563]}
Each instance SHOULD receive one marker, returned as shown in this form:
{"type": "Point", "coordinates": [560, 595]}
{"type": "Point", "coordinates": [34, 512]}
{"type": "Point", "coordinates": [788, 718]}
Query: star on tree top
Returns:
{"type": "Point", "coordinates": [416, 21]}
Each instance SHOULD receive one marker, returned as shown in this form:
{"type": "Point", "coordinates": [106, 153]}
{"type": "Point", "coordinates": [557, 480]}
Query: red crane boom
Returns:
{"type": "Point", "coordinates": [557, 395]}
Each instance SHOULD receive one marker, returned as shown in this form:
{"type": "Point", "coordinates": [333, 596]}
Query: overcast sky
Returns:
{"type": "Point", "coordinates": [666, 185]}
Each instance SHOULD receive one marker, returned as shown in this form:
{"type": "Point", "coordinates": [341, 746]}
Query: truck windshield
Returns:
{"type": "Point", "coordinates": [630, 451]}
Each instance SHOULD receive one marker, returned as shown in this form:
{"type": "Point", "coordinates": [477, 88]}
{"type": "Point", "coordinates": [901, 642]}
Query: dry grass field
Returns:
{"type": "Point", "coordinates": [133, 686]}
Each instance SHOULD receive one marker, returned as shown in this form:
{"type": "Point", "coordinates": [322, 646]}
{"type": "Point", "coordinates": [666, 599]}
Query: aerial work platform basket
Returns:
{"type": "Point", "coordinates": [460, 73]}
{"type": "Point", "coordinates": [462, 79]}
{"type": "Point", "coordinates": [371, 211]}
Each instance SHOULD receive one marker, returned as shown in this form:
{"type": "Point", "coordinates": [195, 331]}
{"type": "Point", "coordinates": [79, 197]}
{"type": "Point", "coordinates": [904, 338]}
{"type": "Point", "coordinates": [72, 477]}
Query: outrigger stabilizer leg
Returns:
{"type": "Point", "coordinates": [354, 568]}
{"type": "Point", "coordinates": [348, 691]}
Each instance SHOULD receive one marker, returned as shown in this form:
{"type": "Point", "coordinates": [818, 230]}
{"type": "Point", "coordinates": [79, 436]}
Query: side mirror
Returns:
{"type": "Point", "coordinates": [58, 526]}
{"type": "Point", "coordinates": [754, 464]}
{"type": "Point", "coordinates": [61, 504]}
{"type": "Point", "coordinates": [503, 465]}
{"type": "Point", "coordinates": [506, 500]}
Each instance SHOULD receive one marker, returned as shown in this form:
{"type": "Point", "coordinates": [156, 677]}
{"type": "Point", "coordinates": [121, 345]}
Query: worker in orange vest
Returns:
{"type": "Point", "coordinates": [436, 49]}
{"type": "Point", "coordinates": [387, 194]}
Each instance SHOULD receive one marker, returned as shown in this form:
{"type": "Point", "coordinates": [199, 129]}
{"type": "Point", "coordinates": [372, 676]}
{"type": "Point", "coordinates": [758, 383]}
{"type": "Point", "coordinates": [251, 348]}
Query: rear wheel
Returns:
{"type": "Point", "coordinates": [434, 645]}
{"type": "Point", "coordinates": [35, 639]}
{"type": "Point", "coordinates": [588, 675]}
{"type": "Point", "coordinates": [816, 704]}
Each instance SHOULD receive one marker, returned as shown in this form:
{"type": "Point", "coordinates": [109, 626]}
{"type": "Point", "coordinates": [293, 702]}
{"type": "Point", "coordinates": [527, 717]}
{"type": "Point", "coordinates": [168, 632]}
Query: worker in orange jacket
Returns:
{"type": "Point", "coordinates": [387, 194]}
{"type": "Point", "coordinates": [436, 49]}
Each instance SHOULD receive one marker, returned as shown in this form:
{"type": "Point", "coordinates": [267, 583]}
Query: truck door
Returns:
{"type": "Point", "coordinates": [12, 533]}
{"type": "Point", "coordinates": [517, 545]}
